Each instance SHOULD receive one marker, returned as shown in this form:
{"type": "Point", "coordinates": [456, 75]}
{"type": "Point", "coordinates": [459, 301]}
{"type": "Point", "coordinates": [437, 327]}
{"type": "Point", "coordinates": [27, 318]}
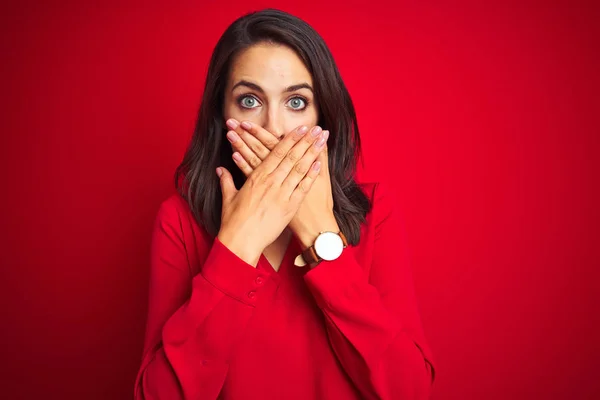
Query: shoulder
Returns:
{"type": "Point", "coordinates": [174, 218]}
{"type": "Point", "coordinates": [176, 225]}
{"type": "Point", "coordinates": [168, 219]}
{"type": "Point", "coordinates": [387, 208]}
{"type": "Point", "coordinates": [173, 208]}
{"type": "Point", "coordinates": [381, 194]}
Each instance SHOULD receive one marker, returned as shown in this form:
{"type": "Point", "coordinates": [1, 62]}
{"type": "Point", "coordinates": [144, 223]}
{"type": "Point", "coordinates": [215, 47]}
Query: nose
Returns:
{"type": "Point", "coordinates": [274, 122]}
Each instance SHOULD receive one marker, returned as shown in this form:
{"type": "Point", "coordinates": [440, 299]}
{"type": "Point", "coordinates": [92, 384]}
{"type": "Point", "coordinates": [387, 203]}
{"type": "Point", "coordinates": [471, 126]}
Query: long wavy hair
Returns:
{"type": "Point", "coordinates": [195, 177]}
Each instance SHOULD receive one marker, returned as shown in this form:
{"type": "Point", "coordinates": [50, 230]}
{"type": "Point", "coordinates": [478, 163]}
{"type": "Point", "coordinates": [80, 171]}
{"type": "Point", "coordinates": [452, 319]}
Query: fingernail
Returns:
{"type": "Point", "coordinates": [315, 131]}
{"type": "Point", "coordinates": [237, 156]}
{"type": "Point", "coordinates": [319, 143]}
{"type": "Point", "coordinates": [219, 172]}
{"type": "Point", "coordinates": [232, 136]}
{"type": "Point", "coordinates": [325, 135]}
{"type": "Point", "coordinates": [302, 130]}
{"type": "Point", "coordinates": [317, 165]}
{"type": "Point", "coordinates": [246, 125]}
{"type": "Point", "coordinates": [232, 123]}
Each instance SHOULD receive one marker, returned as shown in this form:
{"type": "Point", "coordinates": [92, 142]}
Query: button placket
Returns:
{"type": "Point", "coordinates": [258, 282]}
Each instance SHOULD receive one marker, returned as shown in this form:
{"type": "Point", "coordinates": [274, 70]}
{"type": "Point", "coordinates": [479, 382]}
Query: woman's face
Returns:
{"type": "Point", "coordinates": [270, 86]}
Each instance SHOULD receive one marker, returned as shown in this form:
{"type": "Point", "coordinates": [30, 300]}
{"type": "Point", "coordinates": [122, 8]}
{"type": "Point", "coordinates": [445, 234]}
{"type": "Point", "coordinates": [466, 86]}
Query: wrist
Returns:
{"type": "Point", "coordinates": [328, 245]}
{"type": "Point", "coordinates": [239, 245]}
{"type": "Point", "coordinates": [309, 233]}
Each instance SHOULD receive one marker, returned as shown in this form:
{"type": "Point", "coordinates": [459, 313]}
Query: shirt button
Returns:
{"type": "Point", "coordinates": [252, 294]}
{"type": "Point", "coordinates": [259, 280]}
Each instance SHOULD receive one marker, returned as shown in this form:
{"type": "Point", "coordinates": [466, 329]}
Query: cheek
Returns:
{"type": "Point", "coordinates": [229, 111]}
{"type": "Point", "coordinates": [295, 119]}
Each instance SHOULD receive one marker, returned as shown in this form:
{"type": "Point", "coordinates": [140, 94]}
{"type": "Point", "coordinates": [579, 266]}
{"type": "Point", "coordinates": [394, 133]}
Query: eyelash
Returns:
{"type": "Point", "coordinates": [243, 96]}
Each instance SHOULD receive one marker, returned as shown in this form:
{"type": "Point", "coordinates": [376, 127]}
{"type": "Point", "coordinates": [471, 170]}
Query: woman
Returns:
{"type": "Point", "coordinates": [274, 274]}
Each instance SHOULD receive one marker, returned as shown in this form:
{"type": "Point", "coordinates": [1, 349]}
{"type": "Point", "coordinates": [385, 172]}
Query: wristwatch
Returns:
{"type": "Point", "coordinates": [328, 246]}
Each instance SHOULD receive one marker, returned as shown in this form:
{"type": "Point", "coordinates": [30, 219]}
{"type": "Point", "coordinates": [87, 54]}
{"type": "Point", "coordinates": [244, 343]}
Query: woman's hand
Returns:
{"type": "Point", "coordinates": [253, 145]}
{"type": "Point", "coordinates": [253, 217]}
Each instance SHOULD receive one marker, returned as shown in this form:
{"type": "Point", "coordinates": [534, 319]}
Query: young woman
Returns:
{"type": "Point", "coordinates": [274, 274]}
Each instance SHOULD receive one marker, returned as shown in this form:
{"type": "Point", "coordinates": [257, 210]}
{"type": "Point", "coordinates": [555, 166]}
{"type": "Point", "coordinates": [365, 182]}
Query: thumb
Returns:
{"type": "Point", "coordinates": [227, 186]}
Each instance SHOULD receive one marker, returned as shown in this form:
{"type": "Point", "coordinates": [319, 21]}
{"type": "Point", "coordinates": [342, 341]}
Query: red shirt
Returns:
{"type": "Point", "coordinates": [220, 328]}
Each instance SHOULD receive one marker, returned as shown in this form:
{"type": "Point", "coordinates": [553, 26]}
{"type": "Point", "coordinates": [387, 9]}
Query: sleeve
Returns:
{"type": "Point", "coordinates": [371, 318]}
{"type": "Point", "coordinates": [194, 322]}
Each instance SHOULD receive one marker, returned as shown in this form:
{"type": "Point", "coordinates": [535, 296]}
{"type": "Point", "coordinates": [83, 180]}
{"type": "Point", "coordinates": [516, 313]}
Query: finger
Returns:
{"type": "Point", "coordinates": [302, 167]}
{"type": "Point", "coordinates": [305, 184]}
{"type": "Point", "coordinates": [253, 144]}
{"type": "Point", "coordinates": [294, 156]}
{"type": "Point", "coordinates": [280, 151]}
{"type": "Point", "coordinates": [228, 189]}
{"type": "Point", "coordinates": [242, 164]}
{"type": "Point", "coordinates": [324, 158]}
{"type": "Point", "coordinates": [265, 137]}
{"type": "Point", "coordinates": [238, 145]}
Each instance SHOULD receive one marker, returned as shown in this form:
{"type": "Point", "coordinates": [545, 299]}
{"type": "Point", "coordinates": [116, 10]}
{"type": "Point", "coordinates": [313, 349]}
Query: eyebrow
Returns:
{"type": "Point", "coordinates": [254, 86]}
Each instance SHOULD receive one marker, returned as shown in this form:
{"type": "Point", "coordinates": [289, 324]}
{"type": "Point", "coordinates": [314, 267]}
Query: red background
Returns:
{"type": "Point", "coordinates": [483, 115]}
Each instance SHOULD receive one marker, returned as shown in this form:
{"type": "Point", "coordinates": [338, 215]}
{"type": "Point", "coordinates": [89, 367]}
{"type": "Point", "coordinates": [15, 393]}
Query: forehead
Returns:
{"type": "Point", "coordinates": [271, 66]}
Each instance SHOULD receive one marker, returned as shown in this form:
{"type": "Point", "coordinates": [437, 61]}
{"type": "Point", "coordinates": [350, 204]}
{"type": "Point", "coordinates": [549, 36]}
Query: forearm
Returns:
{"type": "Point", "coordinates": [190, 359]}
{"type": "Point", "coordinates": [376, 349]}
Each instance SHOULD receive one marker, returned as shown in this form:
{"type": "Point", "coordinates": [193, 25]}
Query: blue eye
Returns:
{"type": "Point", "coordinates": [248, 102]}
{"type": "Point", "coordinates": [297, 103]}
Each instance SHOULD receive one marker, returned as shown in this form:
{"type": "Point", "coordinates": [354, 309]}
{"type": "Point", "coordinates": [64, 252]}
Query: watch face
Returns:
{"type": "Point", "coordinates": [329, 246]}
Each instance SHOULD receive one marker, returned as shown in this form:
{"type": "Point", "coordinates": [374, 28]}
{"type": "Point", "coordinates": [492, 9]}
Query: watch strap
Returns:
{"type": "Point", "coordinates": [310, 256]}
